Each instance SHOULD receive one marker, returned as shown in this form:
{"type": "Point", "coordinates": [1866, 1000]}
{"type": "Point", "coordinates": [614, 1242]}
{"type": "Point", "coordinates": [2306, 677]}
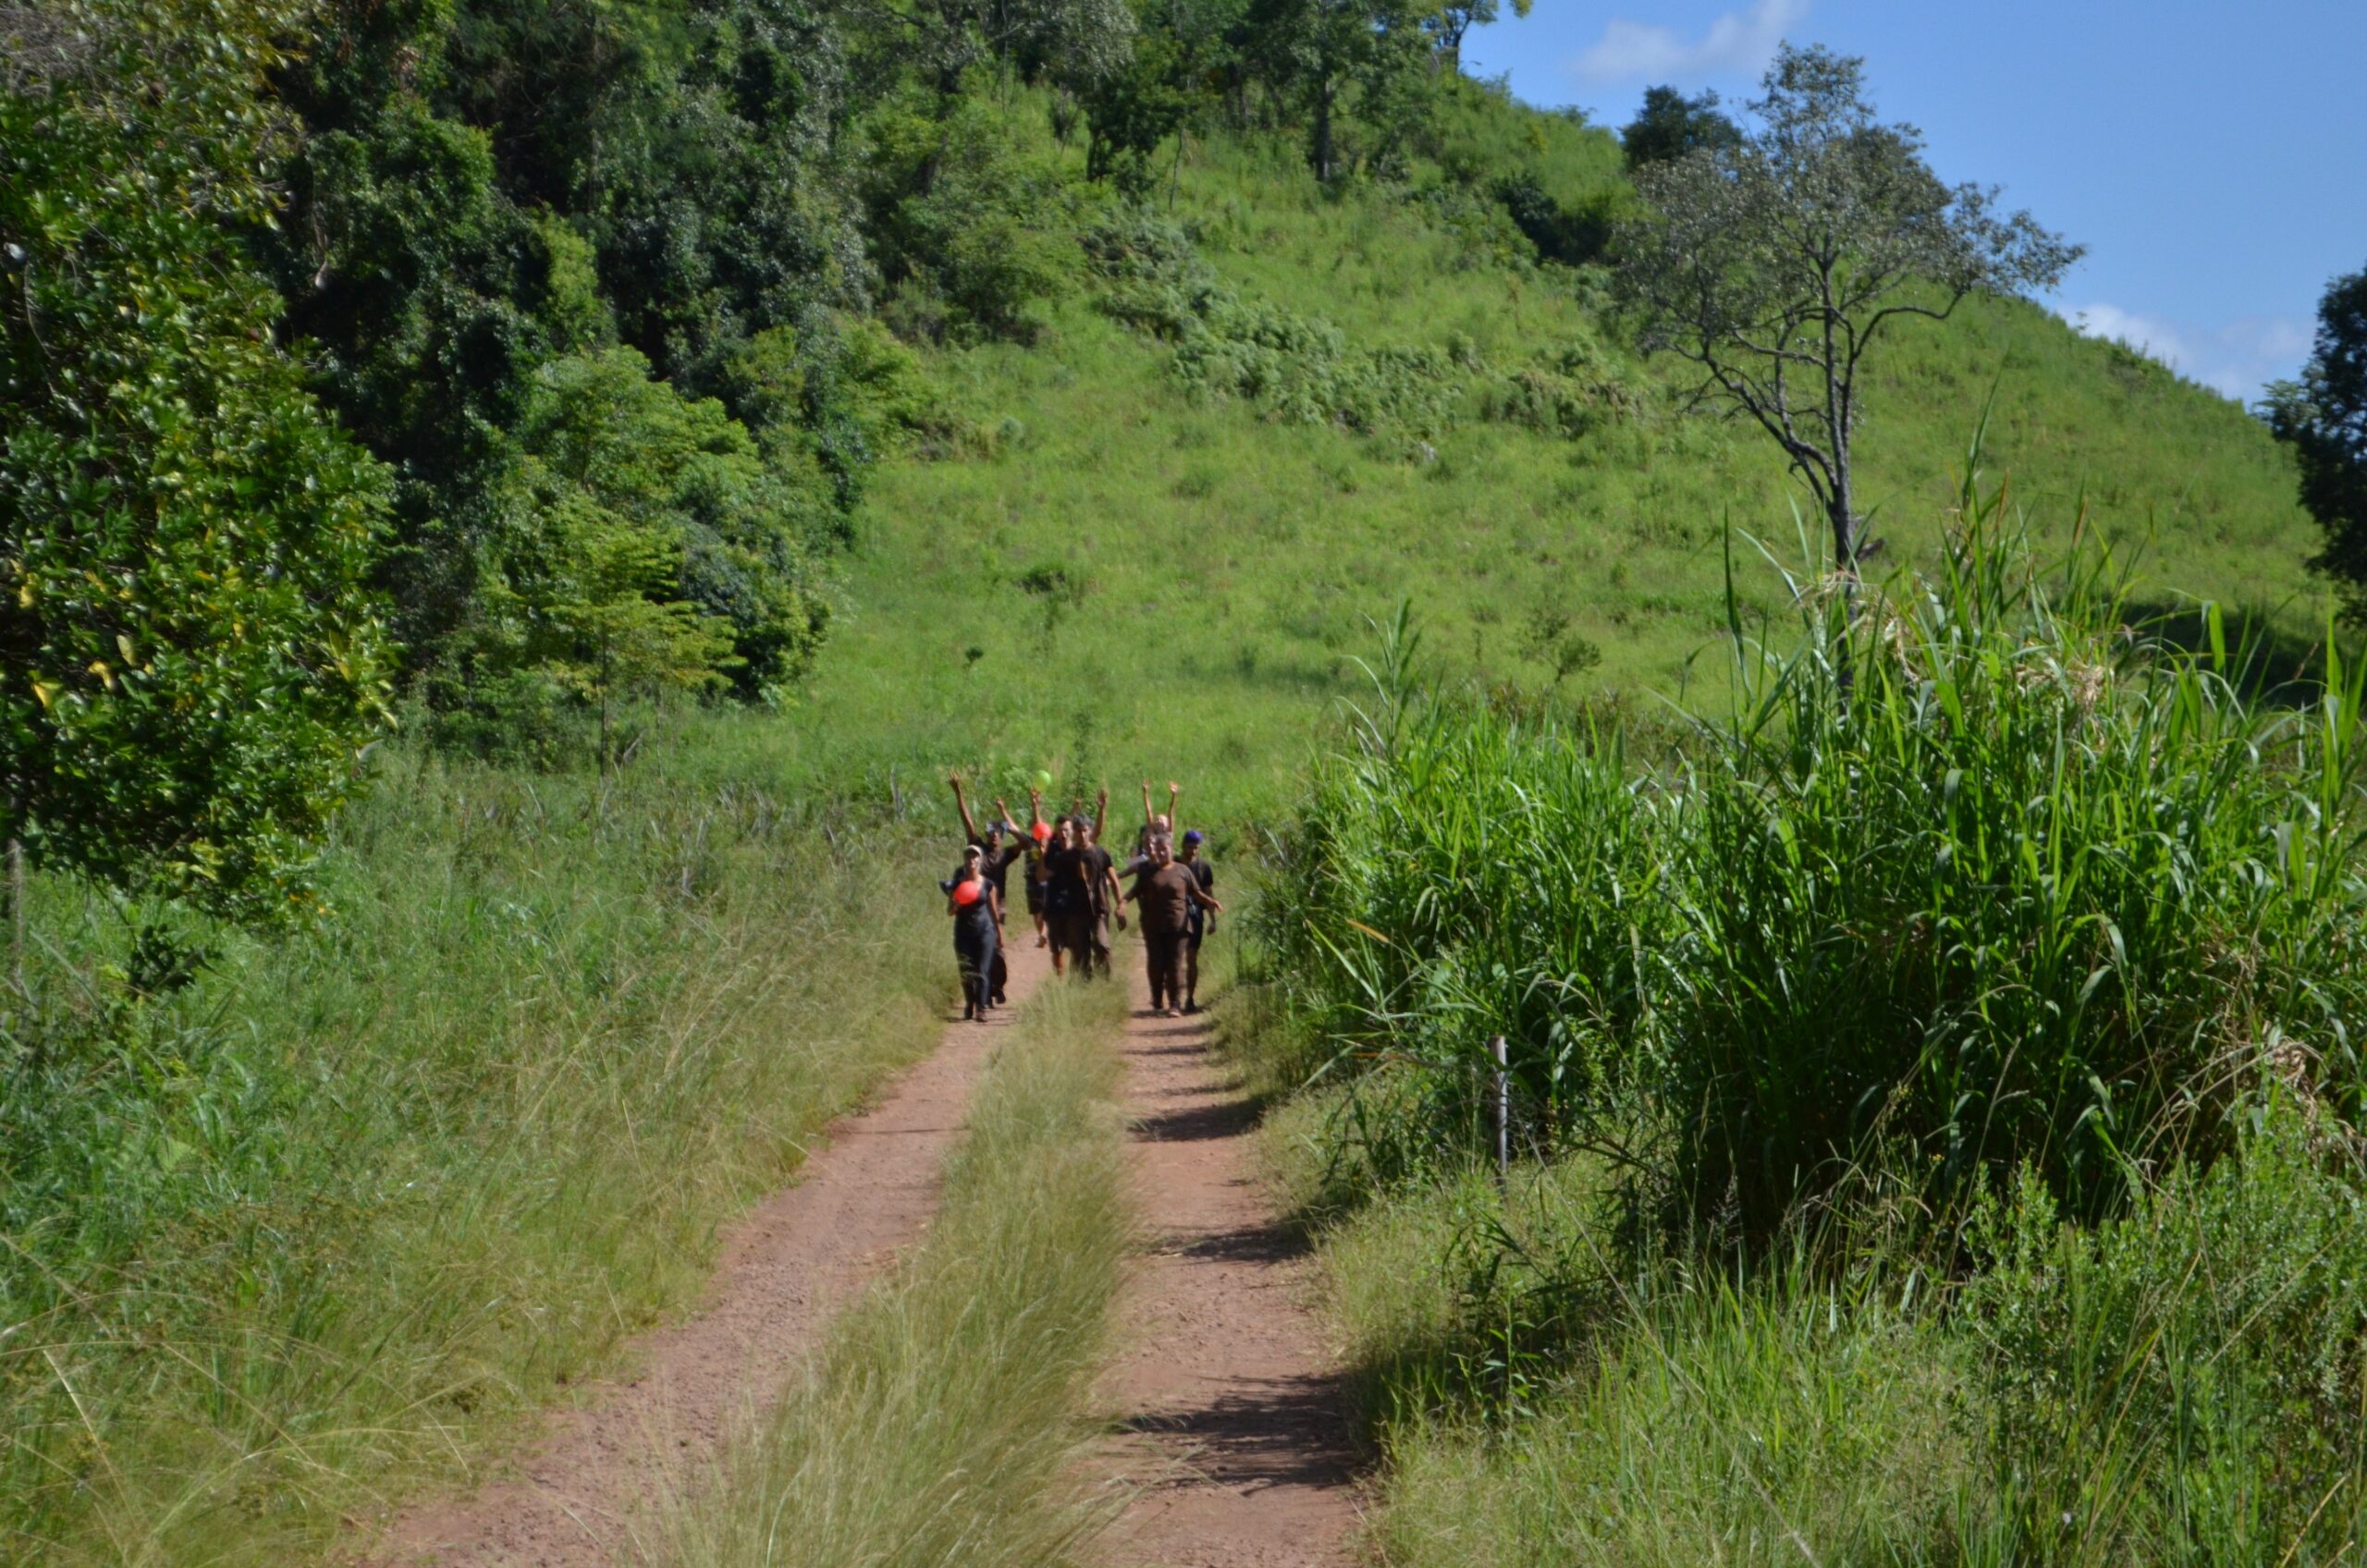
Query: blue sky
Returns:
{"type": "Point", "coordinates": [2211, 157]}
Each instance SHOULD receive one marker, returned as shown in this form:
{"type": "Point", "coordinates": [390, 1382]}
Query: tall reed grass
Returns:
{"type": "Point", "coordinates": [1944, 1069]}
{"type": "Point", "coordinates": [1974, 873]}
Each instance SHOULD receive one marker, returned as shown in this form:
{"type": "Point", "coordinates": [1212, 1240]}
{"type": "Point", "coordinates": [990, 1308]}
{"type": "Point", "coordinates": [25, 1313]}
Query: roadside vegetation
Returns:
{"type": "Point", "coordinates": [507, 510]}
{"type": "Point", "coordinates": [941, 1420]}
{"type": "Point", "coordinates": [296, 1223]}
{"type": "Point", "coordinates": [1936, 1097]}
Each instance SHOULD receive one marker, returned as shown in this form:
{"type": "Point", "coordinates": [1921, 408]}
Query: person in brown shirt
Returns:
{"type": "Point", "coordinates": [1167, 891]}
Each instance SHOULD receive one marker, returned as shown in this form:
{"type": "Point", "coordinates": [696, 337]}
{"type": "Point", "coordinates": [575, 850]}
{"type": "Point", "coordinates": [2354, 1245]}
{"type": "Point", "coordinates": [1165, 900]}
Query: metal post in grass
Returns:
{"type": "Point", "coordinates": [1503, 1113]}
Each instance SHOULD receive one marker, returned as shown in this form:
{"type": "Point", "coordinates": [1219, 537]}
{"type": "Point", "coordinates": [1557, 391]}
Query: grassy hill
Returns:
{"type": "Point", "coordinates": [1205, 570]}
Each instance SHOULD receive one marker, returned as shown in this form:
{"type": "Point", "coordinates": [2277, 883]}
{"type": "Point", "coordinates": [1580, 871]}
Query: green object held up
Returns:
{"type": "Point", "coordinates": [1043, 779]}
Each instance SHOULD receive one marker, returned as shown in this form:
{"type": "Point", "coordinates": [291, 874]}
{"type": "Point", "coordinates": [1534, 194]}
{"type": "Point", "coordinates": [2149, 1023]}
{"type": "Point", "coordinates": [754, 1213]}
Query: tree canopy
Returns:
{"type": "Point", "coordinates": [1670, 125]}
{"type": "Point", "coordinates": [189, 658]}
{"type": "Point", "coordinates": [1775, 262]}
{"type": "Point", "coordinates": [2323, 417]}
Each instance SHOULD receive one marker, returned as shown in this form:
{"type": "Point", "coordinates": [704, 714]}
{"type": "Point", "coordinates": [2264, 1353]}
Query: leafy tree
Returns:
{"type": "Point", "coordinates": [1450, 21]}
{"type": "Point", "coordinates": [1331, 60]}
{"type": "Point", "coordinates": [188, 658]}
{"type": "Point", "coordinates": [943, 39]}
{"type": "Point", "coordinates": [1774, 262]}
{"type": "Point", "coordinates": [1130, 112]}
{"type": "Point", "coordinates": [648, 546]}
{"type": "Point", "coordinates": [1670, 125]}
{"type": "Point", "coordinates": [964, 219]}
{"type": "Point", "coordinates": [2323, 417]}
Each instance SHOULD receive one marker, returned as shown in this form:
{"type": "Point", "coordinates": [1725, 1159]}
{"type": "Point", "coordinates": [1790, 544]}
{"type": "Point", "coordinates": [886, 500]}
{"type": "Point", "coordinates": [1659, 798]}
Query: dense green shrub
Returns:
{"type": "Point", "coordinates": [646, 545]}
{"type": "Point", "coordinates": [2186, 1375]}
{"type": "Point", "coordinates": [190, 659]}
{"type": "Point", "coordinates": [1301, 369]}
{"type": "Point", "coordinates": [1980, 880]}
{"type": "Point", "coordinates": [964, 219]}
{"type": "Point", "coordinates": [1571, 390]}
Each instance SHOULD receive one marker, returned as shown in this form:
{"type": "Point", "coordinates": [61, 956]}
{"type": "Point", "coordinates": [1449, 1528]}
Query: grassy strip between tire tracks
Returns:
{"type": "Point", "coordinates": [940, 1422]}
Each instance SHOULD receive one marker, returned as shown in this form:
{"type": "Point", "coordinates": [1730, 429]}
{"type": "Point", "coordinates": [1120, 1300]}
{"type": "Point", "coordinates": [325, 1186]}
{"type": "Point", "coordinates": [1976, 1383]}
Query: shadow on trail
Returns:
{"type": "Point", "coordinates": [1227, 1119]}
{"type": "Point", "coordinates": [1278, 1431]}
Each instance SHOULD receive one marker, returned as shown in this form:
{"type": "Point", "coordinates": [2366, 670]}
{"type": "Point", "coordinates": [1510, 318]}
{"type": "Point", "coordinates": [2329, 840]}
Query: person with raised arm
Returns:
{"type": "Point", "coordinates": [1168, 891]}
{"type": "Point", "coordinates": [1101, 872]}
{"type": "Point", "coordinates": [1000, 850]}
{"type": "Point", "coordinates": [1069, 897]}
{"type": "Point", "coordinates": [1153, 823]}
{"type": "Point", "coordinates": [1039, 838]}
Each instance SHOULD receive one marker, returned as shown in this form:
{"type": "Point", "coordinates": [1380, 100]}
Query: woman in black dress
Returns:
{"type": "Point", "coordinates": [976, 910]}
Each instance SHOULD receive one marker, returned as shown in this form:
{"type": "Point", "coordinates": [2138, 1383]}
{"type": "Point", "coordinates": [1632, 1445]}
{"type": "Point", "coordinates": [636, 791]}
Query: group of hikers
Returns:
{"type": "Point", "coordinates": [1075, 891]}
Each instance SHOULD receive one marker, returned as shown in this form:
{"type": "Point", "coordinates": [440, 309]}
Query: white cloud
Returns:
{"type": "Point", "coordinates": [1738, 43]}
{"type": "Point", "coordinates": [2237, 359]}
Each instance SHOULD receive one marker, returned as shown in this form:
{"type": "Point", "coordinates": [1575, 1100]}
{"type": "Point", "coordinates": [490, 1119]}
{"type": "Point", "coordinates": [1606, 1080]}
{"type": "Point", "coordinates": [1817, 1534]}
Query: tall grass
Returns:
{"type": "Point", "coordinates": [938, 1424]}
{"type": "Point", "coordinates": [1944, 1064]}
{"type": "Point", "coordinates": [1983, 876]}
{"type": "Point", "coordinates": [319, 1226]}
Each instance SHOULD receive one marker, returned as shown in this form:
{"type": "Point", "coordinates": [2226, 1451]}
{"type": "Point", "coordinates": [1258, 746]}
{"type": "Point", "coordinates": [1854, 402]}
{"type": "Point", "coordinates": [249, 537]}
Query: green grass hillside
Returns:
{"type": "Point", "coordinates": [1212, 567]}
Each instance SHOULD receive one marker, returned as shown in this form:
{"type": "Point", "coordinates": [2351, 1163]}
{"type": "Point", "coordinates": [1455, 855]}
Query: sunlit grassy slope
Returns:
{"type": "Point", "coordinates": [1228, 563]}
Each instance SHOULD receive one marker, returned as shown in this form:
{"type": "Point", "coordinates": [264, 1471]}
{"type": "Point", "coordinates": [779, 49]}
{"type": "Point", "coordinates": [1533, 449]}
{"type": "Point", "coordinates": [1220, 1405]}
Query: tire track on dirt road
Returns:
{"type": "Point", "coordinates": [576, 1498]}
{"type": "Point", "coordinates": [1235, 1424]}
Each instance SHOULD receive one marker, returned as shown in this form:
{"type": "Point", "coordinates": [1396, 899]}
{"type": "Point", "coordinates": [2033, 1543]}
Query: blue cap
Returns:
{"type": "Point", "coordinates": [1192, 836]}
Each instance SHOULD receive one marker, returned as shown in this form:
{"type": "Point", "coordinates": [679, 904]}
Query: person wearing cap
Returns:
{"type": "Point", "coordinates": [999, 848]}
{"type": "Point", "coordinates": [1167, 891]}
{"type": "Point", "coordinates": [976, 910]}
{"type": "Point", "coordinates": [1203, 919]}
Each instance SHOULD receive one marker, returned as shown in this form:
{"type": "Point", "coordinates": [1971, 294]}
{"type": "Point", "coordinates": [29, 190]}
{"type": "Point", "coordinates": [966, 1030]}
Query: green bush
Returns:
{"type": "Point", "coordinates": [1301, 369]}
{"type": "Point", "coordinates": [2183, 1380]}
{"type": "Point", "coordinates": [1981, 879]}
{"type": "Point", "coordinates": [192, 658]}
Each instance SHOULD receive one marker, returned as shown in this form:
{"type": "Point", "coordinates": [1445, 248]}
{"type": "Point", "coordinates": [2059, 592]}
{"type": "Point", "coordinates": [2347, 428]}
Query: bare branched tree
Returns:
{"type": "Point", "coordinates": [1774, 263]}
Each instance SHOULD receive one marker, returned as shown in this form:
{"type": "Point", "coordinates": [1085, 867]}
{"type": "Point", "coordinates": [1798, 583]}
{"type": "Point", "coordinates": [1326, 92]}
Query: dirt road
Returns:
{"type": "Point", "coordinates": [575, 1499]}
{"type": "Point", "coordinates": [1236, 1427]}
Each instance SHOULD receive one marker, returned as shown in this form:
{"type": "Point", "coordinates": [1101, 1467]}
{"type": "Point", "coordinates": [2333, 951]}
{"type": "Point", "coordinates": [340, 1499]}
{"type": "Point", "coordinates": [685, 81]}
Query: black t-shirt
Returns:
{"type": "Point", "coordinates": [1064, 885]}
{"type": "Point", "coordinates": [978, 917]}
{"type": "Point", "coordinates": [1097, 868]}
{"type": "Point", "coordinates": [996, 864]}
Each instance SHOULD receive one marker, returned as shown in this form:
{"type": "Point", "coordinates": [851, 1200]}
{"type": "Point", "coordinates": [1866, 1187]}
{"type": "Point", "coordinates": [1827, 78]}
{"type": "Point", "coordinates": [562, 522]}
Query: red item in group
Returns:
{"type": "Point", "coordinates": [968, 893]}
{"type": "Point", "coordinates": [1043, 831]}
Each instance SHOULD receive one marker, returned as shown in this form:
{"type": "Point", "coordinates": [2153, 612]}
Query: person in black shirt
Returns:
{"type": "Point", "coordinates": [1101, 876]}
{"type": "Point", "coordinates": [1203, 917]}
{"type": "Point", "coordinates": [1001, 849]}
{"type": "Point", "coordinates": [976, 910]}
{"type": "Point", "coordinates": [1069, 905]}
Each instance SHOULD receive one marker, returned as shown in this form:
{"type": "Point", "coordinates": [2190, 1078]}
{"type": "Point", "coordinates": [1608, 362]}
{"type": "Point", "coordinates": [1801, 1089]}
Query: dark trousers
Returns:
{"type": "Point", "coordinates": [1192, 965]}
{"type": "Point", "coordinates": [976, 950]}
{"type": "Point", "coordinates": [1072, 933]}
{"type": "Point", "coordinates": [1164, 950]}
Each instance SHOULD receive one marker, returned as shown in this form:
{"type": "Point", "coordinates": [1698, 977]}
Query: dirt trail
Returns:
{"type": "Point", "coordinates": [576, 1498]}
{"type": "Point", "coordinates": [1236, 1425]}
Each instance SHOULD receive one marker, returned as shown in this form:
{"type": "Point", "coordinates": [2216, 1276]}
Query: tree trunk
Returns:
{"type": "Point", "coordinates": [17, 914]}
{"type": "Point", "coordinates": [1323, 130]}
{"type": "Point", "coordinates": [1844, 563]}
